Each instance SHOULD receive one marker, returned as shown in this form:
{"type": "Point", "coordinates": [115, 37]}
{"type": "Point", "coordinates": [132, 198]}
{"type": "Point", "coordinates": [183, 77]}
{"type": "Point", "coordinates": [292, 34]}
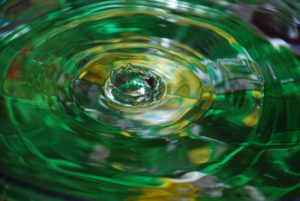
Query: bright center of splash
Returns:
{"type": "Point", "coordinates": [134, 86]}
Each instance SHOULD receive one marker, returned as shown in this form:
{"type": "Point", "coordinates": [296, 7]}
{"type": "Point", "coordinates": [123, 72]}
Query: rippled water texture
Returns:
{"type": "Point", "coordinates": [150, 100]}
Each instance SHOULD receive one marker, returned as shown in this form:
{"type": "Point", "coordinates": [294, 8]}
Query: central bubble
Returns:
{"type": "Point", "coordinates": [133, 85]}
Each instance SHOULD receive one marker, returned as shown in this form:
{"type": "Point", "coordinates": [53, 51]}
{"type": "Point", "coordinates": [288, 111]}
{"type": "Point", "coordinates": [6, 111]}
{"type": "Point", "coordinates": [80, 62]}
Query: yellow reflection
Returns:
{"type": "Point", "coordinates": [256, 94]}
{"type": "Point", "coordinates": [252, 118]}
{"type": "Point", "coordinates": [118, 166]}
{"type": "Point", "coordinates": [169, 192]}
{"type": "Point", "coordinates": [199, 155]}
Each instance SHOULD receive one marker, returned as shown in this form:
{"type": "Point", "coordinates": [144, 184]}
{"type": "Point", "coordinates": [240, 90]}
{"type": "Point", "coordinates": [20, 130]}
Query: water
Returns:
{"type": "Point", "coordinates": [150, 100]}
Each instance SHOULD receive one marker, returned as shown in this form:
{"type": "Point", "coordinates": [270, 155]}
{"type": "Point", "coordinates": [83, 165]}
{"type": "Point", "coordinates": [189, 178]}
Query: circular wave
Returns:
{"type": "Point", "coordinates": [132, 94]}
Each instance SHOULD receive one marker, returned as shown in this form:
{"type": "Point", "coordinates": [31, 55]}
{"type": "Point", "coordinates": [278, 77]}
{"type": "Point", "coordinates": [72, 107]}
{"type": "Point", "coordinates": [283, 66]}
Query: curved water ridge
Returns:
{"type": "Point", "coordinates": [148, 100]}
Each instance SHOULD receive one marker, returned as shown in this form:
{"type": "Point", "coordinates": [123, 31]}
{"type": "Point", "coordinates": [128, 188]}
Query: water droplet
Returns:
{"type": "Point", "coordinates": [134, 86]}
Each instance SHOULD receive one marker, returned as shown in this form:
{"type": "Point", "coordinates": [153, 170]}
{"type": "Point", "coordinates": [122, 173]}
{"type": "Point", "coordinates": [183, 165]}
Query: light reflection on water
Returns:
{"type": "Point", "coordinates": [149, 100]}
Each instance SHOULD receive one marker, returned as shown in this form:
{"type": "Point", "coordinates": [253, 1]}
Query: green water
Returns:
{"type": "Point", "coordinates": [149, 100]}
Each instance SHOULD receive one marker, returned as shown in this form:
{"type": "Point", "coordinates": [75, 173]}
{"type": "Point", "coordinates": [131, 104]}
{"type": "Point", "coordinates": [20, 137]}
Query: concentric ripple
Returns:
{"type": "Point", "coordinates": [146, 100]}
